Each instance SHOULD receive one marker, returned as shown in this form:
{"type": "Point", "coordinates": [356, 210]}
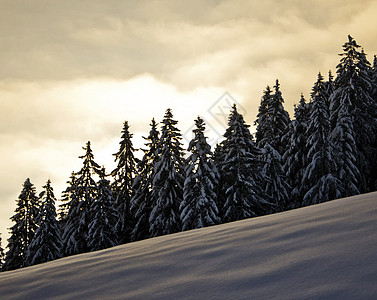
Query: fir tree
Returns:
{"type": "Point", "coordinates": [295, 158]}
{"type": "Point", "coordinates": [167, 184]}
{"type": "Point", "coordinates": [123, 176]}
{"type": "Point", "coordinates": [75, 235]}
{"type": "Point", "coordinates": [199, 208]}
{"type": "Point", "coordinates": [104, 217]}
{"type": "Point", "coordinates": [319, 176]}
{"type": "Point", "coordinates": [352, 98]}
{"type": "Point", "coordinates": [46, 244]}
{"type": "Point", "coordinates": [141, 204]}
{"type": "Point", "coordinates": [242, 172]}
{"type": "Point", "coordinates": [22, 232]}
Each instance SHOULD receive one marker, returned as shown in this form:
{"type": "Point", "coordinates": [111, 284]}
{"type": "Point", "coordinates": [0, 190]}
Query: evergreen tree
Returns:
{"type": "Point", "coordinates": [319, 176]}
{"type": "Point", "coordinates": [22, 232]}
{"type": "Point", "coordinates": [345, 152]}
{"type": "Point", "coordinates": [352, 98]}
{"type": "Point", "coordinates": [263, 131]}
{"type": "Point", "coordinates": [295, 158]}
{"type": "Point", "coordinates": [46, 244]}
{"type": "Point", "coordinates": [272, 120]}
{"type": "Point", "coordinates": [141, 202]}
{"type": "Point", "coordinates": [199, 208]}
{"type": "Point", "coordinates": [75, 235]}
{"type": "Point", "coordinates": [67, 198]}
{"type": "Point", "coordinates": [167, 184]}
{"type": "Point", "coordinates": [276, 189]}
{"type": "Point", "coordinates": [1, 255]}
{"type": "Point", "coordinates": [104, 217]}
{"type": "Point", "coordinates": [123, 176]}
{"type": "Point", "coordinates": [242, 172]}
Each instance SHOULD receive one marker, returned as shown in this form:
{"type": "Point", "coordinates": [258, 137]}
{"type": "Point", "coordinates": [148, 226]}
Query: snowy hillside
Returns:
{"type": "Point", "coordinates": [327, 251]}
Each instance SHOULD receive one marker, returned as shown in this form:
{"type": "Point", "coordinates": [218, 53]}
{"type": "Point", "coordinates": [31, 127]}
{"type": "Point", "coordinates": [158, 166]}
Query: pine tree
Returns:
{"type": "Point", "coordinates": [141, 204]}
{"type": "Point", "coordinates": [104, 217]}
{"type": "Point", "coordinates": [22, 232]}
{"type": "Point", "coordinates": [123, 176]}
{"type": "Point", "coordinates": [242, 172]}
{"type": "Point", "coordinates": [199, 208]}
{"type": "Point", "coordinates": [319, 176]}
{"type": "Point", "coordinates": [352, 99]}
{"type": "Point", "coordinates": [78, 218]}
{"type": "Point", "coordinates": [276, 189]}
{"type": "Point", "coordinates": [295, 158]}
{"type": "Point", "coordinates": [46, 244]}
{"type": "Point", "coordinates": [167, 184]}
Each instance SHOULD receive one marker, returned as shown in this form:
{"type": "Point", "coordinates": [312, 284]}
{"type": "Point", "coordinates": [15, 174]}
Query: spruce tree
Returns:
{"type": "Point", "coordinates": [67, 198]}
{"type": "Point", "coordinates": [199, 208]}
{"type": "Point", "coordinates": [320, 176]}
{"type": "Point", "coordinates": [1, 255]}
{"type": "Point", "coordinates": [22, 232]}
{"type": "Point", "coordinates": [167, 184]}
{"type": "Point", "coordinates": [272, 120]}
{"type": "Point", "coordinates": [123, 176]}
{"type": "Point", "coordinates": [295, 158]}
{"type": "Point", "coordinates": [345, 152]}
{"type": "Point", "coordinates": [242, 172]}
{"type": "Point", "coordinates": [141, 202]}
{"type": "Point", "coordinates": [263, 134]}
{"type": "Point", "coordinates": [75, 235]}
{"type": "Point", "coordinates": [352, 99]}
{"type": "Point", "coordinates": [104, 217]}
{"type": "Point", "coordinates": [46, 244]}
{"type": "Point", "coordinates": [276, 189]}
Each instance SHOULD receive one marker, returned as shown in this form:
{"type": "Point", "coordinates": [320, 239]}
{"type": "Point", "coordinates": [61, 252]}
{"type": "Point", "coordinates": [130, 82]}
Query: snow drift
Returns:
{"type": "Point", "coordinates": [326, 251]}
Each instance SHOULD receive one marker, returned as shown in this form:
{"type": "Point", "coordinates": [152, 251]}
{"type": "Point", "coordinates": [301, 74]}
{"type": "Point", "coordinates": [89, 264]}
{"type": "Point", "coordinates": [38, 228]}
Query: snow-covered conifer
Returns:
{"type": "Point", "coordinates": [22, 232]}
{"type": "Point", "coordinates": [295, 158]}
{"type": "Point", "coordinates": [167, 184]}
{"type": "Point", "coordinates": [276, 189]}
{"type": "Point", "coordinates": [46, 244]}
{"type": "Point", "coordinates": [272, 120]}
{"type": "Point", "coordinates": [352, 98]}
{"type": "Point", "coordinates": [104, 217]}
{"type": "Point", "coordinates": [320, 175]}
{"type": "Point", "coordinates": [141, 204]}
{"type": "Point", "coordinates": [199, 208]}
{"type": "Point", "coordinates": [78, 218]}
{"type": "Point", "coordinates": [124, 175]}
{"type": "Point", "coordinates": [242, 172]}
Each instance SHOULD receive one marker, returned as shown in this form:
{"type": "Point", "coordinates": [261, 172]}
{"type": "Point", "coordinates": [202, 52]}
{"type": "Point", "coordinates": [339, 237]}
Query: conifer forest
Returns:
{"type": "Point", "coordinates": [328, 150]}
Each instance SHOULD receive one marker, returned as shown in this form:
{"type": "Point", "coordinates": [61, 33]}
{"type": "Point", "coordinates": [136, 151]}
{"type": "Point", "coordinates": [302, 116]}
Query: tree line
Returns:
{"type": "Point", "coordinates": [328, 151]}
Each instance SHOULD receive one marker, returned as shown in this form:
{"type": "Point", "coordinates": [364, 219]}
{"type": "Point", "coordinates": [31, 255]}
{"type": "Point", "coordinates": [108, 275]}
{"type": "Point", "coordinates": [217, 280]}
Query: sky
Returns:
{"type": "Point", "coordinates": [74, 71]}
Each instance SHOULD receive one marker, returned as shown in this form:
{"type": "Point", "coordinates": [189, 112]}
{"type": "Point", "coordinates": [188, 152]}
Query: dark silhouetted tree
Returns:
{"type": "Point", "coordinates": [124, 175]}
{"type": "Point", "coordinates": [141, 202]}
{"type": "Point", "coordinates": [46, 244]}
{"type": "Point", "coordinates": [199, 208]}
{"type": "Point", "coordinates": [22, 232]}
{"type": "Point", "coordinates": [167, 184]}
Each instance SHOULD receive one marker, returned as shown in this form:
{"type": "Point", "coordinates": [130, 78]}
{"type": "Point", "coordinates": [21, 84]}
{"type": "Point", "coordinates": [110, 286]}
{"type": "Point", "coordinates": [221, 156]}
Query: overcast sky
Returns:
{"type": "Point", "coordinates": [73, 71]}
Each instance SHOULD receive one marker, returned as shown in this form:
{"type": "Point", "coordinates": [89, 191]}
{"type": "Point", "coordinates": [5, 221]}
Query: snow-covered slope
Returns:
{"type": "Point", "coordinates": [327, 251]}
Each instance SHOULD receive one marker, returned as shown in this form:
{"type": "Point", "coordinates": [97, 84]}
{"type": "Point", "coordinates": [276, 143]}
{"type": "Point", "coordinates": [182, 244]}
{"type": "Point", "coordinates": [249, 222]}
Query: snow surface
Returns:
{"type": "Point", "coordinates": [326, 251]}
